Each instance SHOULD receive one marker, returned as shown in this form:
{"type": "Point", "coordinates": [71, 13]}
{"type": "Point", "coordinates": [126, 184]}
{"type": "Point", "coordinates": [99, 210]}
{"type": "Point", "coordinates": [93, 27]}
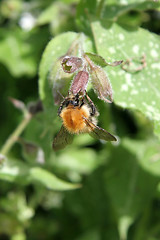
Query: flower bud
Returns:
{"type": "Point", "coordinates": [101, 84]}
{"type": "Point", "coordinates": [18, 104]}
{"type": "Point", "coordinates": [80, 82]}
{"type": "Point", "coordinates": [100, 81]}
{"type": "Point", "coordinates": [71, 64]}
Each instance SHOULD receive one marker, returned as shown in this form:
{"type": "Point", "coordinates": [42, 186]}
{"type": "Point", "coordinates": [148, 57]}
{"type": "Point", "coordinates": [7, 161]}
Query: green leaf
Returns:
{"type": "Point", "coordinates": [15, 211]}
{"type": "Point", "coordinates": [139, 90]}
{"type": "Point", "coordinates": [148, 154]}
{"type": "Point", "coordinates": [60, 81]}
{"type": "Point", "coordinates": [72, 161]}
{"type": "Point", "coordinates": [48, 15]}
{"type": "Point", "coordinates": [17, 52]}
{"type": "Point", "coordinates": [17, 171]}
{"type": "Point", "coordinates": [84, 9]}
{"type": "Point", "coordinates": [115, 10]}
{"type": "Point", "coordinates": [130, 187]}
{"type": "Point", "coordinates": [13, 170]}
{"type": "Point", "coordinates": [58, 14]}
{"type": "Point", "coordinates": [50, 181]}
{"type": "Point", "coordinates": [101, 61]}
{"type": "Point", "coordinates": [127, 2]}
{"type": "Point", "coordinates": [39, 132]}
{"type": "Point", "coordinates": [55, 49]}
{"type": "Point", "coordinates": [90, 234]}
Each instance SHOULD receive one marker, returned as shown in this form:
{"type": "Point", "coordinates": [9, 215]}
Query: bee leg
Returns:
{"type": "Point", "coordinates": [82, 102]}
{"type": "Point", "coordinates": [93, 108]}
{"type": "Point", "coordinates": [77, 98]}
{"type": "Point", "coordinates": [61, 107]}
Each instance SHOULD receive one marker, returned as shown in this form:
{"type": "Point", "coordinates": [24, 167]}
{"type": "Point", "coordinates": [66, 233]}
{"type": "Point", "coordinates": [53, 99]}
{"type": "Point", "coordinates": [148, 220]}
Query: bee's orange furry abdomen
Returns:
{"type": "Point", "coordinates": [73, 118]}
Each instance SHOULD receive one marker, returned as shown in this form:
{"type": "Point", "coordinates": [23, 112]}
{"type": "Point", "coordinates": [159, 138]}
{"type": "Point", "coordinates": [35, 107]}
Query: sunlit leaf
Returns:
{"type": "Point", "coordinates": [55, 49]}
{"type": "Point", "coordinates": [50, 181]}
{"type": "Point", "coordinates": [139, 90]}
{"type": "Point", "coordinates": [17, 53]}
{"type": "Point", "coordinates": [99, 60]}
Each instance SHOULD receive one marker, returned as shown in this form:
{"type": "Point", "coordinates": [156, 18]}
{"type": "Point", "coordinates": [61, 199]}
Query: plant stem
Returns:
{"type": "Point", "coordinates": [14, 136]}
{"type": "Point", "coordinates": [100, 8]}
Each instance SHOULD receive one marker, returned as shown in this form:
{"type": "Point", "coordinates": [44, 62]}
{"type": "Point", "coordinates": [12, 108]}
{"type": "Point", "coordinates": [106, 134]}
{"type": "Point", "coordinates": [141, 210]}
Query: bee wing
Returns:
{"type": "Point", "coordinates": [99, 133]}
{"type": "Point", "coordinates": [62, 139]}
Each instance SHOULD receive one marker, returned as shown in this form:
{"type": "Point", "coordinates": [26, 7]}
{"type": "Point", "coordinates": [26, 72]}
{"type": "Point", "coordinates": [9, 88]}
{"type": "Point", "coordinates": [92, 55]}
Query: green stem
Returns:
{"type": "Point", "coordinates": [14, 136]}
{"type": "Point", "coordinates": [100, 8]}
{"type": "Point", "coordinates": [141, 229]}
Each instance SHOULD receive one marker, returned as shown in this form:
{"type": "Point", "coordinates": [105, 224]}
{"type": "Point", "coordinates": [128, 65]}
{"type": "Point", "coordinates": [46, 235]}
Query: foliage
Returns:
{"type": "Point", "coordinates": [91, 189]}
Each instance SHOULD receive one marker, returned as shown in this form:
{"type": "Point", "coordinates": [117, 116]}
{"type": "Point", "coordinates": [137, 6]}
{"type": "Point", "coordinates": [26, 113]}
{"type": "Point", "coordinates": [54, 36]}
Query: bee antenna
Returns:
{"type": "Point", "coordinates": [60, 94]}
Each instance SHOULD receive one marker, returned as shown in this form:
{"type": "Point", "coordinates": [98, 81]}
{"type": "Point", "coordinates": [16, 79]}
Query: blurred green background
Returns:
{"type": "Point", "coordinates": [91, 190]}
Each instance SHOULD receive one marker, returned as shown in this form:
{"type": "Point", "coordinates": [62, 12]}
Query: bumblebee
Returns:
{"type": "Point", "coordinates": [79, 115]}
